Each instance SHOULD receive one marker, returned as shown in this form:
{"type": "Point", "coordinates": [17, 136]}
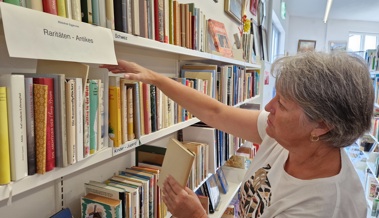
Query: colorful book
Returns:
{"type": "Point", "coordinates": [13, 2]}
{"type": "Point", "coordinates": [95, 12]}
{"type": "Point", "coordinates": [5, 165]}
{"type": "Point", "coordinates": [115, 131]}
{"type": "Point", "coordinates": [16, 124]}
{"type": "Point", "coordinates": [94, 106]}
{"type": "Point", "coordinates": [50, 125]}
{"type": "Point", "coordinates": [97, 206]}
{"type": "Point", "coordinates": [50, 6]}
{"type": "Point", "coordinates": [220, 38]}
{"type": "Point", "coordinates": [40, 116]}
{"type": "Point", "coordinates": [61, 8]}
{"type": "Point", "coordinates": [86, 122]}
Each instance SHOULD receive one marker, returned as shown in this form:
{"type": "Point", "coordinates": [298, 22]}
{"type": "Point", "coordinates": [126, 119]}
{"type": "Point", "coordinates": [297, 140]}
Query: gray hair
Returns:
{"type": "Point", "coordinates": [334, 88]}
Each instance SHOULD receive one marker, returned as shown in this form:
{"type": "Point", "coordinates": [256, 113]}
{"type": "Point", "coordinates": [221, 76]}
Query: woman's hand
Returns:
{"type": "Point", "coordinates": [133, 71]}
{"type": "Point", "coordinates": [181, 202]}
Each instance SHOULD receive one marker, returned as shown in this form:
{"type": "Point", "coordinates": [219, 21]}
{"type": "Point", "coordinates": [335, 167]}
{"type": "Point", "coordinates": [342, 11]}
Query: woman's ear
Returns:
{"type": "Point", "coordinates": [321, 128]}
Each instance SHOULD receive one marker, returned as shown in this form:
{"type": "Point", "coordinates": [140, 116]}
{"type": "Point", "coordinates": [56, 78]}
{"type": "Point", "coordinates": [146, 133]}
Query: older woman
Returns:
{"type": "Point", "coordinates": [323, 102]}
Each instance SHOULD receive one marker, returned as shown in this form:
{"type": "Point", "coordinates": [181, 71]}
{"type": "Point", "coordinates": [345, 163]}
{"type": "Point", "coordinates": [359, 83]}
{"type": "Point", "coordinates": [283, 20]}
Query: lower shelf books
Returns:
{"type": "Point", "coordinates": [96, 206]}
{"type": "Point", "coordinates": [210, 190]}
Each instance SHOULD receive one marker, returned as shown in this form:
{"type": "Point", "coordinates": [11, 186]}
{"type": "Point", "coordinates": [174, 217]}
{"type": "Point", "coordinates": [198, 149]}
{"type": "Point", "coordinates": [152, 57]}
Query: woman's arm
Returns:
{"type": "Point", "coordinates": [239, 122]}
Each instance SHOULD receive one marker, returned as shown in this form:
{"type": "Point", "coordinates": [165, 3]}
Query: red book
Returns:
{"type": "Point", "coordinates": [159, 20]}
{"type": "Point", "coordinates": [50, 137]}
{"type": "Point", "coordinates": [50, 6]}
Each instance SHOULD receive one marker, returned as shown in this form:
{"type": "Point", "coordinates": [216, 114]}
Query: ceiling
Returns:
{"type": "Point", "coordinates": [363, 10]}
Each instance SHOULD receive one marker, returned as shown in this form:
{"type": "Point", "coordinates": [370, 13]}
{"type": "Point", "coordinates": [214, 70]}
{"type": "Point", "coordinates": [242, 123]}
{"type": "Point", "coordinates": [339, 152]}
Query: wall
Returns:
{"type": "Point", "coordinates": [316, 29]}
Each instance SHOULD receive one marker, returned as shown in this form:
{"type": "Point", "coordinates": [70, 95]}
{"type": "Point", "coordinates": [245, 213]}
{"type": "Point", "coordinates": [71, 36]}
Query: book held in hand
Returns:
{"type": "Point", "coordinates": [177, 162]}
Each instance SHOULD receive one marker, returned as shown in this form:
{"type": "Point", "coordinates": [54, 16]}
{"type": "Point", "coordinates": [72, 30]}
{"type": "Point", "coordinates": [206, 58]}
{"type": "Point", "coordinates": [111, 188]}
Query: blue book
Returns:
{"type": "Point", "coordinates": [64, 213]}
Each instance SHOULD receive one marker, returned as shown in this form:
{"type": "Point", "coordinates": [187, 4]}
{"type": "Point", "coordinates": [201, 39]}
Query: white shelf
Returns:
{"type": "Point", "coordinates": [184, 53]}
{"type": "Point", "coordinates": [31, 182]}
{"type": "Point", "coordinates": [234, 177]}
{"type": "Point", "coordinates": [166, 131]}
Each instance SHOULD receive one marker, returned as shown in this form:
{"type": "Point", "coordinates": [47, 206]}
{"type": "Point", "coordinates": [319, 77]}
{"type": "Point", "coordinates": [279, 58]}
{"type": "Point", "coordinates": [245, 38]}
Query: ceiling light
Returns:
{"type": "Point", "coordinates": [327, 9]}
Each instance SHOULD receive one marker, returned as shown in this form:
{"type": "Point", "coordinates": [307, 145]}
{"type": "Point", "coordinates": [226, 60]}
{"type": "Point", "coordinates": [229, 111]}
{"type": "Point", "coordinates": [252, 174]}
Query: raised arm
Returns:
{"type": "Point", "coordinates": [236, 121]}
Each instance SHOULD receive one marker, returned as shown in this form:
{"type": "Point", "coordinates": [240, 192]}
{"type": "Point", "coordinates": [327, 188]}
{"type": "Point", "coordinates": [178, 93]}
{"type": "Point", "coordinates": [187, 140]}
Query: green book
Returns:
{"type": "Point", "coordinates": [97, 206]}
{"type": "Point", "coordinates": [94, 106]}
{"type": "Point", "coordinates": [14, 2]}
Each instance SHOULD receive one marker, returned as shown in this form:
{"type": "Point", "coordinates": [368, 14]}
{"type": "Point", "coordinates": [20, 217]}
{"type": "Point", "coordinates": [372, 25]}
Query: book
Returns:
{"type": "Point", "coordinates": [93, 114]}
{"type": "Point", "coordinates": [95, 12]}
{"type": "Point", "coordinates": [40, 116]}
{"type": "Point", "coordinates": [176, 155]}
{"type": "Point", "coordinates": [50, 122]}
{"type": "Point", "coordinates": [220, 38]}
{"type": "Point", "coordinates": [71, 121]}
{"type": "Point", "coordinates": [102, 189]}
{"type": "Point", "coordinates": [61, 8]}
{"type": "Point", "coordinates": [14, 2]}
{"type": "Point", "coordinates": [68, 6]}
{"type": "Point", "coordinates": [64, 213]}
{"type": "Point", "coordinates": [76, 10]}
{"type": "Point", "coordinates": [222, 183]}
{"type": "Point", "coordinates": [115, 119]}
{"type": "Point", "coordinates": [30, 137]}
{"type": "Point", "coordinates": [5, 165]}
{"type": "Point", "coordinates": [86, 122]}
{"type": "Point", "coordinates": [86, 8]}
{"type": "Point", "coordinates": [109, 13]}
{"type": "Point", "coordinates": [50, 6]}
{"type": "Point", "coordinates": [97, 206]}
{"type": "Point", "coordinates": [211, 190]}
{"type": "Point", "coordinates": [34, 4]}
{"type": "Point", "coordinates": [16, 124]}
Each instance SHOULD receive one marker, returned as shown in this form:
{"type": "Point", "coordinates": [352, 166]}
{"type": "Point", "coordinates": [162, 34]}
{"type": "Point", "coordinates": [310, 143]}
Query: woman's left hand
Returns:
{"type": "Point", "coordinates": [181, 202]}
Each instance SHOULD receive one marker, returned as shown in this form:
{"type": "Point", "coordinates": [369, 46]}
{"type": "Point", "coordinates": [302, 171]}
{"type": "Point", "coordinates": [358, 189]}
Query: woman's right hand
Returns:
{"type": "Point", "coordinates": [133, 71]}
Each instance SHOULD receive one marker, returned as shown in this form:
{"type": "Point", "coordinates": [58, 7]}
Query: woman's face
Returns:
{"type": "Point", "coordinates": [287, 123]}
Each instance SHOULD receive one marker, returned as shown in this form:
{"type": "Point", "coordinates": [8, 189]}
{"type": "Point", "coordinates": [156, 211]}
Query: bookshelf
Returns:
{"type": "Point", "coordinates": [63, 187]}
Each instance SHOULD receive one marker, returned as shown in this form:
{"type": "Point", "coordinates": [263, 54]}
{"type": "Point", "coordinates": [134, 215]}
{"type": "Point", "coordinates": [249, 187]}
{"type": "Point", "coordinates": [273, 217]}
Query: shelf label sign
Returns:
{"type": "Point", "coordinates": [36, 35]}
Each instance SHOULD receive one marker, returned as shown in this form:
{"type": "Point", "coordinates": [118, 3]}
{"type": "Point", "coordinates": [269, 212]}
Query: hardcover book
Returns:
{"type": "Point", "coordinates": [115, 131]}
{"type": "Point", "coordinates": [30, 140]}
{"type": "Point", "coordinates": [220, 38]}
{"type": "Point", "coordinates": [222, 183]}
{"type": "Point", "coordinates": [97, 206]}
{"type": "Point", "coordinates": [5, 166]}
{"type": "Point", "coordinates": [211, 190]}
{"type": "Point", "coordinates": [16, 124]}
{"type": "Point", "coordinates": [71, 121]}
{"type": "Point", "coordinates": [40, 114]}
{"type": "Point", "coordinates": [93, 114]}
{"type": "Point", "coordinates": [176, 155]}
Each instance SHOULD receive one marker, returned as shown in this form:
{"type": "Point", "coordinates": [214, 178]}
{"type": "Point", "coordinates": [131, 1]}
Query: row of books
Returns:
{"type": "Point", "coordinates": [371, 57]}
{"type": "Point", "coordinates": [52, 120]}
{"type": "Point", "coordinates": [167, 21]}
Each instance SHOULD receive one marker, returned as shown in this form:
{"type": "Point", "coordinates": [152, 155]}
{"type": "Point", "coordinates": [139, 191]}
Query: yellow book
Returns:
{"type": "Point", "coordinates": [129, 96]}
{"type": "Point", "coordinates": [114, 112]}
{"type": "Point", "coordinates": [61, 5]}
{"type": "Point", "coordinates": [5, 165]}
{"type": "Point", "coordinates": [40, 116]}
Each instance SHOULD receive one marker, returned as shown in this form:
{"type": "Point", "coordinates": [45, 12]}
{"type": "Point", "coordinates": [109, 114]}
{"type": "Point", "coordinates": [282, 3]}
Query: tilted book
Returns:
{"type": "Point", "coordinates": [5, 165]}
{"type": "Point", "coordinates": [16, 124]}
{"type": "Point", "coordinates": [220, 38]}
{"type": "Point", "coordinates": [176, 155]}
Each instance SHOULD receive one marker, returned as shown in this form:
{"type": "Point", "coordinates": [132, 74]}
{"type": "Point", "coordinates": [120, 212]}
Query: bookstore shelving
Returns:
{"type": "Point", "coordinates": [62, 187]}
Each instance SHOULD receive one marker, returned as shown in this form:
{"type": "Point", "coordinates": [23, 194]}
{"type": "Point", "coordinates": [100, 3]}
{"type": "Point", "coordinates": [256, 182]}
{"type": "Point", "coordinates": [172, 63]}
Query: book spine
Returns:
{"type": "Point", "coordinates": [153, 108]}
{"type": "Point", "coordinates": [102, 13]}
{"type": "Point", "coordinates": [70, 121]}
{"type": "Point", "coordinates": [117, 8]}
{"type": "Point", "coordinates": [50, 6]}
{"type": "Point", "coordinates": [76, 10]}
{"type": "Point", "coordinates": [79, 119]}
{"type": "Point", "coordinates": [136, 111]}
{"type": "Point", "coordinates": [95, 12]}
{"type": "Point", "coordinates": [94, 106]}
{"type": "Point", "coordinates": [86, 10]}
{"type": "Point", "coordinates": [14, 2]}
{"type": "Point", "coordinates": [40, 114]}
{"type": "Point", "coordinates": [101, 117]}
{"type": "Point", "coordinates": [29, 109]}
{"type": "Point", "coordinates": [61, 8]}
{"type": "Point", "coordinates": [5, 166]}
{"type": "Point", "coordinates": [124, 113]}
{"type": "Point", "coordinates": [109, 12]}
{"type": "Point", "coordinates": [16, 124]}
{"type": "Point", "coordinates": [115, 115]}
{"type": "Point", "coordinates": [34, 4]}
{"type": "Point", "coordinates": [86, 111]}
{"type": "Point", "coordinates": [68, 8]}
{"type": "Point", "coordinates": [129, 94]}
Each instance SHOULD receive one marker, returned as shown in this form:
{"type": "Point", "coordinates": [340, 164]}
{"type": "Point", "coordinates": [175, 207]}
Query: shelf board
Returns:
{"type": "Point", "coordinates": [31, 182]}
{"type": "Point", "coordinates": [185, 53]}
{"type": "Point", "coordinates": [163, 132]}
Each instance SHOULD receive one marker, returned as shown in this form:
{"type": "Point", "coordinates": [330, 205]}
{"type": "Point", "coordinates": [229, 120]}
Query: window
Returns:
{"type": "Point", "coordinates": [277, 39]}
{"type": "Point", "coordinates": [360, 42]}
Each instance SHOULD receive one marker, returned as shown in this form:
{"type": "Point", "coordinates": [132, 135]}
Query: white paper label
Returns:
{"type": "Point", "coordinates": [37, 35]}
